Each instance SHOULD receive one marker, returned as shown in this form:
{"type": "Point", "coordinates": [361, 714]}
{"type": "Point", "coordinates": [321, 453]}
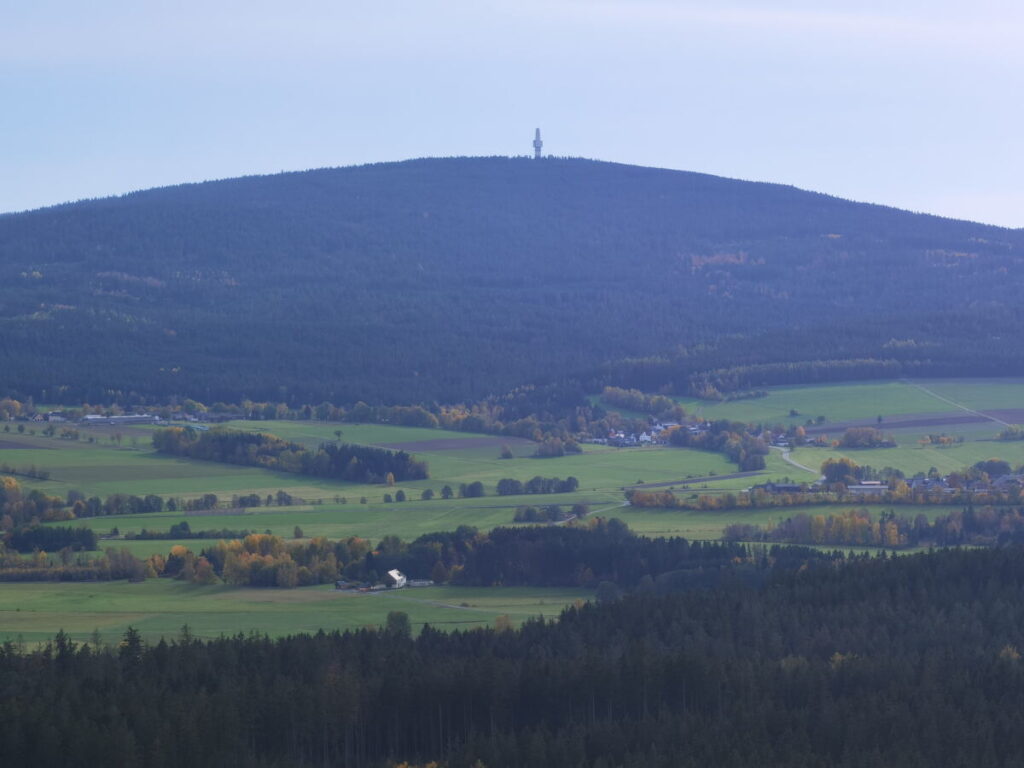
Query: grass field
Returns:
{"type": "Point", "coordinates": [132, 467]}
{"type": "Point", "coordinates": [693, 524]}
{"type": "Point", "coordinates": [599, 469]}
{"type": "Point", "coordinates": [102, 469]}
{"type": "Point", "coordinates": [911, 458]}
{"type": "Point", "coordinates": [457, 457]}
{"type": "Point", "coordinates": [34, 612]}
{"type": "Point", "coordinates": [335, 523]}
{"type": "Point", "coordinates": [407, 520]}
{"type": "Point", "coordinates": [863, 400]}
{"type": "Point", "coordinates": [925, 399]}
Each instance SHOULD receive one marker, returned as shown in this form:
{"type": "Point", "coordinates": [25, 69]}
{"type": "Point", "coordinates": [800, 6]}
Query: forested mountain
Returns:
{"type": "Point", "coordinates": [449, 279]}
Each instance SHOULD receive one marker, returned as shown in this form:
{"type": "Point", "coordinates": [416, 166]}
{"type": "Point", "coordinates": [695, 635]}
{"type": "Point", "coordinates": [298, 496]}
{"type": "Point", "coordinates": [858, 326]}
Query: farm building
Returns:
{"type": "Point", "coordinates": [395, 579]}
{"type": "Point", "coordinates": [780, 487]}
{"type": "Point", "coordinates": [868, 488]}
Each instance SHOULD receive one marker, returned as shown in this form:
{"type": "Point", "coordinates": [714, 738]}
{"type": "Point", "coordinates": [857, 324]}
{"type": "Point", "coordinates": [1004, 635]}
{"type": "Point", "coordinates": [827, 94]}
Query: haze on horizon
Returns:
{"type": "Point", "coordinates": [904, 103]}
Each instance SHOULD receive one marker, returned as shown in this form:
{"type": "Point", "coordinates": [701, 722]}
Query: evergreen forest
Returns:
{"type": "Point", "coordinates": [449, 280]}
{"type": "Point", "coordinates": [823, 661]}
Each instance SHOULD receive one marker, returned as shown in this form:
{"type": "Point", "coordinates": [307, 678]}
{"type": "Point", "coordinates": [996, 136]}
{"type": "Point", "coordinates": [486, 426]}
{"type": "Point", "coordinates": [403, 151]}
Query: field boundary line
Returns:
{"type": "Point", "coordinates": [955, 404]}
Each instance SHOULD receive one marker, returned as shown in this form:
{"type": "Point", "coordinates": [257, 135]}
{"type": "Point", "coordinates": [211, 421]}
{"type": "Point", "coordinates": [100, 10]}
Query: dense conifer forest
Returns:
{"type": "Point", "coordinates": [452, 279]}
{"type": "Point", "coordinates": [909, 661]}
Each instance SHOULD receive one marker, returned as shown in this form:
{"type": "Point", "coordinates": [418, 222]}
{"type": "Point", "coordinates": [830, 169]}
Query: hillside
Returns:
{"type": "Point", "coordinates": [445, 279]}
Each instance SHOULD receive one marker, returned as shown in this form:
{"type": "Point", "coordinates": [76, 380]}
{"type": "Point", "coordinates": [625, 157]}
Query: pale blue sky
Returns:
{"type": "Point", "coordinates": [913, 104]}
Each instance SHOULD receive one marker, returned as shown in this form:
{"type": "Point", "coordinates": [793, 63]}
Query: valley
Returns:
{"type": "Point", "coordinates": [339, 510]}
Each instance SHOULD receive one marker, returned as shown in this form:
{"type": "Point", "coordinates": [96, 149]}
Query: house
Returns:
{"type": "Point", "coordinates": [395, 579]}
{"type": "Point", "coordinates": [929, 484]}
{"type": "Point", "coordinates": [93, 419]}
{"type": "Point", "coordinates": [1008, 482]}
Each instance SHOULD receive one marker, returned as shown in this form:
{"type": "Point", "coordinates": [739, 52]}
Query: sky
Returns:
{"type": "Point", "coordinates": [904, 102]}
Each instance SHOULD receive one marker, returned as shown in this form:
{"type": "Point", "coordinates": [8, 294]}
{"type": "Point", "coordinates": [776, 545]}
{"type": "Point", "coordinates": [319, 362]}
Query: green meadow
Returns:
{"type": "Point", "coordinates": [709, 524]}
{"type": "Point", "coordinates": [373, 521]}
{"type": "Point", "coordinates": [34, 612]}
{"type": "Point", "coordinates": [409, 521]}
{"type": "Point", "coordinates": [102, 468]}
{"type": "Point", "coordinates": [911, 458]}
{"type": "Point", "coordinates": [455, 458]}
{"type": "Point", "coordinates": [864, 400]}
{"type": "Point", "coordinates": [337, 509]}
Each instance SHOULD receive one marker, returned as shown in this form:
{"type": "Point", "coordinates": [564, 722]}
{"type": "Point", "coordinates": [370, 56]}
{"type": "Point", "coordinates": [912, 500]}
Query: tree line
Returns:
{"type": "Point", "coordinates": [583, 554]}
{"type": "Point", "coordinates": [982, 526]}
{"type": "Point", "coordinates": [344, 461]}
{"type": "Point", "coordinates": [511, 487]}
{"type": "Point", "coordinates": [183, 530]}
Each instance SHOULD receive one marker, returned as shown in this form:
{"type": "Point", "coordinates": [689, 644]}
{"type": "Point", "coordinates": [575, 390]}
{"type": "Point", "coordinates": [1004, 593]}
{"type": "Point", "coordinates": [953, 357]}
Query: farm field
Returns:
{"type": "Point", "coordinates": [865, 400]}
{"type": "Point", "coordinates": [456, 457]}
{"type": "Point", "coordinates": [972, 409]}
{"type": "Point", "coordinates": [373, 521]}
{"type": "Point", "coordinates": [102, 469]}
{"type": "Point", "coordinates": [35, 612]}
{"type": "Point", "coordinates": [333, 523]}
{"type": "Point", "coordinates": [599, 469]}
{"type": "Point", "coordinates": [695, 524]}
{"type": "Point", "coordinates": [911, 458]}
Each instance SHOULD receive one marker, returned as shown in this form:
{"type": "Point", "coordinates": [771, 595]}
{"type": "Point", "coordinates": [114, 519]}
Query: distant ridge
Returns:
{"type": "Point", "coordinates": [449, 279]}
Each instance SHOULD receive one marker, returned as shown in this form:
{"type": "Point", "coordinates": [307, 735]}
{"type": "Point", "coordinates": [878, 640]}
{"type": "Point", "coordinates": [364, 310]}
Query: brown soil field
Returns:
{"type": "Point", "coordinates": [10, 445]}
{"type": "Point", "coordinates": [910, 421]}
